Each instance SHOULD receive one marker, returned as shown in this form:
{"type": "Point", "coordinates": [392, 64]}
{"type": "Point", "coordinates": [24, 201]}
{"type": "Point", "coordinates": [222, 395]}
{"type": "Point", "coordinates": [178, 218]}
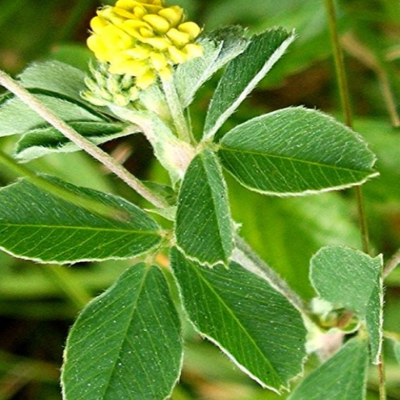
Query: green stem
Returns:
{"type": "Point", "coordinates": [51, 187]}
{"type": "Point", "coordinates": [339, 63]}
{"type": "Point", "coordinates": [363, 220]}
{"type": "Point", "coordinates": [64, 279]}
{"type": "Point", "coordinates": [345, 101]}
{"type": "Point", "coordinates": [245, 256]}
{"type": "Point", "coordinates": [80, 141]}
{"type": "Point", "coordinates": [392, 264]}
{"type": "Point", "coordinates": [176, 110]}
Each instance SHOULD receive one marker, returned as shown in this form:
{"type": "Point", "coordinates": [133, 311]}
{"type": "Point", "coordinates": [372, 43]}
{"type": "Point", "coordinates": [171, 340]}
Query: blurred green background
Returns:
{"type": "Point", "coordinates": [35, 312]}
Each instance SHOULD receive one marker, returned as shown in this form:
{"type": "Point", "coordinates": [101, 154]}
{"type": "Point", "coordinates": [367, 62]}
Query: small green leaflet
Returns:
{"type": "Point", "coordinates": [126, 344]}
{"type": "Point", "coordinates": [351, 279]}
{"type": "Point", "coordinates": [37, 225]}
{"type": "Point", "coordinates": [250, 321]}
{"type": "Point", "coordinates": [17, 118]}
{"type": "Point", "coordinates": [295, 151]}
{"type": "Point", "coordinates": [61, 79]}
{"type": "Point", "coordinates": [219, 47]}
{"type": "Point", "coordinates": [42, 141]}
{"type": "Point", "coordinates": [342, 377]}
{"type": "Point", "coordinates": [374, 321]}
{"type": "Point", "coordinates": [345, 277]}
{"type": "Point", "coordinates": [243, 74]}
{"type": "Point", "coordinates": [203, 227]}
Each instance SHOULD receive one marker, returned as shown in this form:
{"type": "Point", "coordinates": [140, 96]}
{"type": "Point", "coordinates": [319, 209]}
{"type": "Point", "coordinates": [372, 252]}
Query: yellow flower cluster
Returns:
{"type": "Point", "coordinates": [143, 39]}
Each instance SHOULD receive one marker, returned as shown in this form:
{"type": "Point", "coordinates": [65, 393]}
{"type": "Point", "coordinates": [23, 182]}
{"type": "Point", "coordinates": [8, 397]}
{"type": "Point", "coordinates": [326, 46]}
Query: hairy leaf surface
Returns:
{"type": "Point", "coordinates": [37, 225]}
{"type": "Point", "coordinates": [342, 377]}
{"type": "Point", "coordinates": [41, 141]}
{"type": "Point", "coordinates": [16, 117]}
{"type": "Point", "coordinates": [203, 224]}
{"type": "Point", "coordinates": [126, 343]}
{"type": "Point", "coordinates": [243, 74]}
{"type": "Point", "coordinates": [295, 151]}
{"type": "Point", "coordinates": [249, 320]}
{"type": "Point", "coordinates": [219, 47]}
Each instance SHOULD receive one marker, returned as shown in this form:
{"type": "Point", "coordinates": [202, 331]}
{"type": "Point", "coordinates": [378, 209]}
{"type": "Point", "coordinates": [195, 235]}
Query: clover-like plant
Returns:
{"type": "Point", "coordinates": [127, 343]}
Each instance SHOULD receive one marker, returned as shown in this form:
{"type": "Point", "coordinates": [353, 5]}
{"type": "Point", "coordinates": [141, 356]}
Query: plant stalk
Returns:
{"type": "Point", "coordinates": [64, 279]}
{"type": "Point", "coordinates": [176, 110]}
{"type": "Point", "coordinates": [345, 101]}
{"type": "Point", "coordinates": [245, 256]}
{"type": "Point", "coordinates": [80, 141]}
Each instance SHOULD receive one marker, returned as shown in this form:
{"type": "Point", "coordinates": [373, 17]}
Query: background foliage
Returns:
{"type": "Point", "coordinates": [36, 312]}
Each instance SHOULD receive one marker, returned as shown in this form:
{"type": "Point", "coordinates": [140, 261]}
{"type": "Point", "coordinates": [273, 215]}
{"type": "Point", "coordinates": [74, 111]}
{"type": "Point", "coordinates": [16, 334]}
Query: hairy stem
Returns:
{"type": "Point", "coordinates": [80, 141]}
{"type": "Point", "coordinates": [245, 256]}
{"type": "Point", "coordinates": [176, 110]}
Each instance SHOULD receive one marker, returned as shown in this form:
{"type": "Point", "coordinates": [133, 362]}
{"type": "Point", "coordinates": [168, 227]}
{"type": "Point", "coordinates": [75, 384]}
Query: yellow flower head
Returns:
{"type": "Point", "coordinates": [143, 39]}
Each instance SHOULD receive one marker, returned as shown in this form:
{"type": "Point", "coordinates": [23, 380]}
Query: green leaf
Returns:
{"type": "Point", "coordinates": [126, 344]}
{"type": "Point", "coordinates": [342, 377]}
{"type": "Point", "coordinates": [56, 77]}
{"type": "Point", "coordinates": [41, 141]}
{"type": "Point", "coordinates": [16, 117]}
{"type": "Point", "coordinates": [243, 74]}
{"type": "Point", "coordinates": [295, 151]}
{"type": "Point", "coordinates": [37, 225]}
{"type": "Point", "coordinates": [345, 277]}
{"type": "Point", "coordinates": [203, 225]}
{"type": "Point", "coordinates": [219, 47]}
{"type": "Point", "coordinates": [374, 321]}
{"type": "Point", "coordinates": [250, 321]}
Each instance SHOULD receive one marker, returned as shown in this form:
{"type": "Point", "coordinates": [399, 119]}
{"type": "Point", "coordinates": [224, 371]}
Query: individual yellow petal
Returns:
{"type": "Point", "coordinates": [140, 11]}
{"type": "Point", "coordinates": [193, 50]}
{"type": "Point", "coordinates": [159, 61]}
{"type": "Point", "coordinates": [97, 46]}
{"type": "Point", "coordinates": [97, 24]}
{"type": "Point", "coordinates": [177, 37]}
{"type": "Point", "coordinates": [108, 14]}
{"type": "Point", "coordinates": [145, 80]}
{"type": "Point", "coordinates": [158, 43]}
{"type": "Point", "coordinates": [125, 4]}
{"type": "Point", "coordinates": [159, 24]}
{"type": "Point", "coordinates": [173, 14]}
{"type": "Point", "coordinates": [138, 52]}
{"type": "Point", "coordinates": [115, 38]}
{"type": "Point", "coordinates": [191, 28]}
{"type": "Point", "coordinates": [129, 67]}
{"type": "Point", "coordinates": [146, 32]}
{"type": "Point", "coordinates": [177, 56]}
{"type": "Point", "coordinates": [132, 27]}
{"type": "Point", "coordinates": [165, 73]}
{"type": "Point", "coordinates": [123, 13]}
